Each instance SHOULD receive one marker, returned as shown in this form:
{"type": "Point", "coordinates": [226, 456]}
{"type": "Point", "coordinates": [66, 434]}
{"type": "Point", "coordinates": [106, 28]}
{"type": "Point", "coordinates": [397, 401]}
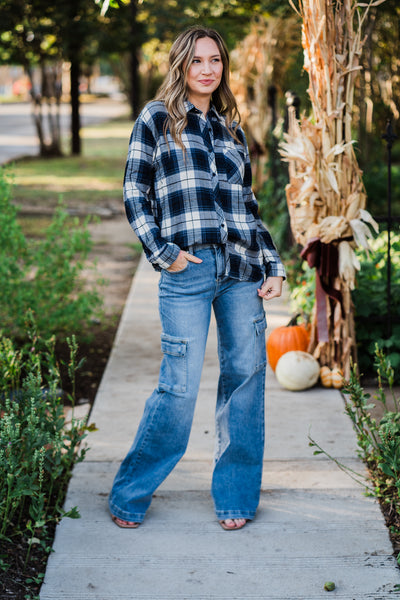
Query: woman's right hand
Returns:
{"type": "Point", "coordinates": [180, 263]}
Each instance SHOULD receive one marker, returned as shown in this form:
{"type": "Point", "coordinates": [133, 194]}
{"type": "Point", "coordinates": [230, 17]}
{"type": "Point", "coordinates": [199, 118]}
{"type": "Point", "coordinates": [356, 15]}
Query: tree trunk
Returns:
{"type": "Point", "coordinates": [75, 105]}
{"type": "Point", "coordinates": [134, 66]}
{"type": "Point", "coordinates": [49, 137]}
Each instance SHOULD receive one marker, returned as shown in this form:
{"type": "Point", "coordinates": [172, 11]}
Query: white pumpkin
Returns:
{"type": "Point", "coordinates": [297, 370]}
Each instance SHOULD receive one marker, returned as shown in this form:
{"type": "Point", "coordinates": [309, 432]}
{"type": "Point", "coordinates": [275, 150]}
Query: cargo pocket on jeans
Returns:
{"type": "Point", "coordinates": [173, 371]}
{"type": "Point", "coordinates": [260, 325]}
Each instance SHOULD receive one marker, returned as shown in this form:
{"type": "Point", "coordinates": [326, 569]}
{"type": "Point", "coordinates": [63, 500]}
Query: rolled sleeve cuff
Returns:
{"type": "Point", "coordinates": [166, 256]}
{"type": "Point", "coordinates": [275, 270]}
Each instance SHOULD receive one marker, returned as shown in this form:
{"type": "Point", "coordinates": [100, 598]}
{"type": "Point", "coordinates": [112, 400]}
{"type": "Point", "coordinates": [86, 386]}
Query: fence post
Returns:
{"type": "Point", "coordinates": [390, 137]}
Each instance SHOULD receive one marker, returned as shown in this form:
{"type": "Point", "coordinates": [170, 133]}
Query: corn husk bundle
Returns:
{"type": "Point", "coordinates": [326, 197]}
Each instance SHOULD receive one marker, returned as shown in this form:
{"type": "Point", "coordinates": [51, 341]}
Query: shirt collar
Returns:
{"type": "Point", "coordinates": [191, 108]}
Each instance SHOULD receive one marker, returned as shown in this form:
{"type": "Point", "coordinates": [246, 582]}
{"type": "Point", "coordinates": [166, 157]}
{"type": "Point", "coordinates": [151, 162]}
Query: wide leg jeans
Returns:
{"type": "Point", "coordinates": [185, 302]}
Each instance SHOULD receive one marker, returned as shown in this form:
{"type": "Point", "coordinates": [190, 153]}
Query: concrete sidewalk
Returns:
{"type": "Point", "coordinates": [18, 135]}
{"type": "Point", "coordinates": [313, 525]}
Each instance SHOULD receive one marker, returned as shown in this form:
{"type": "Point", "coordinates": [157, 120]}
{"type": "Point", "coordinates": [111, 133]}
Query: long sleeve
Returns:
{"type": "Point", "coordinates": [138, 186]}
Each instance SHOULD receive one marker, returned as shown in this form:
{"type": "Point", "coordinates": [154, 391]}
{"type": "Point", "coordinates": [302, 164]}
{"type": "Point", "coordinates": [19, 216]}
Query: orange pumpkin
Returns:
{"type": "Point", "coordinates": [337, 378]}
{"type": "Point", "coordinates": [326, 376]}
{"type": "Point", "coordinates": [285, 339]}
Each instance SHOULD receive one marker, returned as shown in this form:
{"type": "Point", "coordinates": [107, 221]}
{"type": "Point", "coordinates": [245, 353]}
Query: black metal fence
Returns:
{"type": "Point", "coordinates": [389, 319]}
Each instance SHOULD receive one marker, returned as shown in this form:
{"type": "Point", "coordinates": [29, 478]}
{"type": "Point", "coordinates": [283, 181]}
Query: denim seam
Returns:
{"type": "Point", "coordinates": [217, 423]}
{"type": "Point", "coordinates": [257, 333]}
{"type": "Point", "coordinates": [222, 379]}
{"type": "Point", "coordinates": [263, 411]}
{"type": "Point", "coordinates": [150, 422]}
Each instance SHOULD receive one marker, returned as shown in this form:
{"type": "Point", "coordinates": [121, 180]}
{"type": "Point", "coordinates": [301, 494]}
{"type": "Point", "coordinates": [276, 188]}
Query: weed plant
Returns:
{"type": "Point", "coordinates": [44, 275]}
{"type": "Point", "coordinates": [38, 448]}
{"type": "Point", "coordinates": [378, 439]}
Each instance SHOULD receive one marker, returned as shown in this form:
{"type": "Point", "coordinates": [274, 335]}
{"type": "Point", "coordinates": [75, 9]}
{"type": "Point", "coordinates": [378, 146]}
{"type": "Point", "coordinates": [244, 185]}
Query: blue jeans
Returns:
{"type": "Point", "coordinates": [185, 301]}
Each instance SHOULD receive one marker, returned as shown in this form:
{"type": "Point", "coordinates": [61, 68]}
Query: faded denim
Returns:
{"type": "Point", "coordinates": [185, 302]}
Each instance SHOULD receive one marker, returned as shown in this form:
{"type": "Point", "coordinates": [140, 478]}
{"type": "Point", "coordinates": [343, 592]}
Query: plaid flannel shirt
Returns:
{"type": "Point", "coordinates": [175, 200]}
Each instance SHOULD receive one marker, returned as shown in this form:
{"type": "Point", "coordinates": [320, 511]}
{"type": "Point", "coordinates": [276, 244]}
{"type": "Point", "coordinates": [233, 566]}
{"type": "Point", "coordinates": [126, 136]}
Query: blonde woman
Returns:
{"type": "Point", "coordinates": [188, 197]}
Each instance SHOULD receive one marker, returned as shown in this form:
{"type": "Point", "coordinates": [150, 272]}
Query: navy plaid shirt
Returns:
{"type": "Point", "coordinates": [176, 200]}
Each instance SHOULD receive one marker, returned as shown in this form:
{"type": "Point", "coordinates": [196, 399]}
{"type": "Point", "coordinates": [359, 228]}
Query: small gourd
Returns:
{"type": "Point", "coordinates": [325, 375]}
{"type": "Point", "coordinates": [297, 370]}
{"type": "Point", "coordinates": [337, 378]}
{"type": "Point", "coordinates": [285, 339]}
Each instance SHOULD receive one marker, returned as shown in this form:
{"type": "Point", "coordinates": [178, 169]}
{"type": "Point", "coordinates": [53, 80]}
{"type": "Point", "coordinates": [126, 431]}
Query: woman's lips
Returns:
{"type": "Point", "coordinates": [206, 81]}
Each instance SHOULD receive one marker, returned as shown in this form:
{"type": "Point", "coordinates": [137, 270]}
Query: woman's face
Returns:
{"type": "Point", "coordinates": [205, 71]}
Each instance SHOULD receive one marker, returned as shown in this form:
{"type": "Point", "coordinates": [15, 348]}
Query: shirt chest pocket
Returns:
{"type": "Point", "coordinates": [231, 164]}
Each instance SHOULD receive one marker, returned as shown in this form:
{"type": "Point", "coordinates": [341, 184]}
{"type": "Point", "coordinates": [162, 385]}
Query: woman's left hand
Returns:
{"type": "Point", "coordinates": [271, 288]}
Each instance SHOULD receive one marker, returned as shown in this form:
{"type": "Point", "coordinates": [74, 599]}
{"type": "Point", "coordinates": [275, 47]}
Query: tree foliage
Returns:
{"type": "Point", "coordinates": [39, 35]}
{"type": "Point", "coordinates": [28, 37]}
{"type": "Point", "coordinates": [379, 89]}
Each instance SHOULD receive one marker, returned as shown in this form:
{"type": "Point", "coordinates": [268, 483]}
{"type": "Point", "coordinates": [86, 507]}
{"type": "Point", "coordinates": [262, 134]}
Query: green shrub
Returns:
{"type": "Point", "coordinates": [370, 301]}
{"type": "Point", "coordinates": [43, 275]}
{"type": "Point", "coordinates": [302, 294]}
{"type": "Point", "coordinates": [375, 180]}
{"type": "Point", "coordinates": [37, 448]}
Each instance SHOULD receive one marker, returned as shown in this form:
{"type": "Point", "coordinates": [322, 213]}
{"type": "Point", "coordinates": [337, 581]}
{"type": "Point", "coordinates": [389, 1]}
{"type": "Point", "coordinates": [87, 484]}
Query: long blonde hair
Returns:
{"type": "Point", "coordinates": [173, 90]}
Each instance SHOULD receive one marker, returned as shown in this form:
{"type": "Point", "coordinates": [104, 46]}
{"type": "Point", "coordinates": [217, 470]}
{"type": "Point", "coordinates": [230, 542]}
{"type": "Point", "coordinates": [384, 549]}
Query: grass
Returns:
{"type": "Point", "coordinates": [95, 178]}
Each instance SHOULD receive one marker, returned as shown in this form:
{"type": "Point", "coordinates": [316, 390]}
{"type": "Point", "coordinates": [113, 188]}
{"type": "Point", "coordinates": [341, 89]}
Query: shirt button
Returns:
{"type": "Point", "coordinates": [214, 174]}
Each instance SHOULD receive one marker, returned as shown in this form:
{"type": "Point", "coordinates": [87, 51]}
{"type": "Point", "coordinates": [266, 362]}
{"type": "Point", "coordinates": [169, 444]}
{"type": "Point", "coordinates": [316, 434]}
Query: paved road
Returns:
{"type": "Point", "coordinates": [18, 134]}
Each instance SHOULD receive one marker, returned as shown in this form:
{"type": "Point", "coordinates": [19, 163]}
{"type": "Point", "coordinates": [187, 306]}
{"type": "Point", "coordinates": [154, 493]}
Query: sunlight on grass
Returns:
{"type": "Point", "coordinates": [58, 183]}
{"type": "Point", "coordinates": [93, 178]}
{"type": "Point", "coordinates": [117, 131]}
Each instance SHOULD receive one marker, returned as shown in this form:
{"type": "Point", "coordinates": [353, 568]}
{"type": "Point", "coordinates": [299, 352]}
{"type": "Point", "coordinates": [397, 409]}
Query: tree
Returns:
{"type": "Point", "coordinates": [40, 35]}
{"type": "Point", "coordinates": [378, 95]}
{"type": "Point", "coordinates": [28, 38]}
{"type": "Point", "coordinates": [78, 27]}
{"type": "Point", "coordinates": [154, 24]}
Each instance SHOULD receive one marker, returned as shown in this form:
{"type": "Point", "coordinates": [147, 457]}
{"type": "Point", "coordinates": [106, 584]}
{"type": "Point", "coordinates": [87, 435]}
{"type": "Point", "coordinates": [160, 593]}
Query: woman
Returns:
{"type": "Point", "coordinates": [188, 197]}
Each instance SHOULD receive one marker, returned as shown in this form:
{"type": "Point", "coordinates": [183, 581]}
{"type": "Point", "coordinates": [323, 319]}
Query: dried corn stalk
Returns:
{"type": "Point", "coordinates": [326, 197]}
{"type": "Point", "coordinates": [259, 62]}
